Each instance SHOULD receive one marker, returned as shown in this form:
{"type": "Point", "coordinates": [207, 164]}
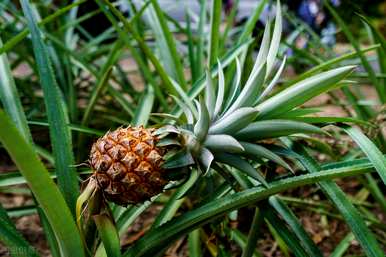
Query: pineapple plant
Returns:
{"type": "Point", "coordinates": [217, 140]}
{"type": "Point", "coordinates": [224, 126]}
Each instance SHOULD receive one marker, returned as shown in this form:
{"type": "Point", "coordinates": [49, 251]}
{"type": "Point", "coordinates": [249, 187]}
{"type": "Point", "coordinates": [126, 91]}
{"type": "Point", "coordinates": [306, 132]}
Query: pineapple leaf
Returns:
{"type": "Point", "coordinates": [44, 189]}
{"type": "Point", "coordinates": [301, 92]}
{"type": "Point", "coordinates": [109, 234]}
{"type": "Point", "coordinates": [275, 128]}
{"type": "Point", "coordinates": [273, 82]}
{"type": "Point", "coordinates": [262, 152]}
{"type": "Point", "coordinates": [242, 165]}
{"type": "Point", "coordinates": [235, 89]}
{"type": "Point", "coordinates": [206, 158]}
{"type": "Point", "coordinates": [185, 109]}
{"type": "Point", "coordinates": [168, 142]}
{"type": "Point", "coordinates": [184, 189]}
{"type": "Point", "coordinates": [234, 121]}
{"type": "Point", "coordinates": [202, 126]}
{"type": "Point", "coordinates": [370, 149]}
{"type": "Point", "coordinates": [143, 111]}
{"type": "Point", "coordinates": [181, 159]}
{"type": "Point", "coordinates": [224, 143]}
{"type": "Point", "coordinates": [165, 130]}
{"type": "Point", "coordinates": [9, 96]}
{"type": "Point", "coordinates": [184, 97]}
{"type": "Point", "coordinates": [183, 224]}
{"type": "Point", "coordinates": [57, 115]}
{"type": "Point", "coordinates": [249, 93]}
{"type": "Point", "coordinates": [275, 42]}
{"type": "Point", "coordinates": [220, 91]}
{"type": "Point", "coordinates": [209, 94]}
{"type": "Point", "coordinates": [11, 237]}
{"type": "Point", "coordinates": [264, 47]}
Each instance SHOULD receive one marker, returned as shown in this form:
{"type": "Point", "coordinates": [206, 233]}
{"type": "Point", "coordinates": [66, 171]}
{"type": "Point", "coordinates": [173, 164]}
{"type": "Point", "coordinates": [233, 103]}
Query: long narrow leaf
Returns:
{"type": "Point", "coordinates": [165, 234]}
{"type": "Point", "coordinates": [10, 98]}
{"type": "Point", "coordinates": [59, 132]}
{"type": "Point", "coordinates": [370, 149]}
{"type": "Point", "coordinates": [43, 188]}
{"type": "Point", "coordinates": [12, 239]}
{"type": "Point", "coordinates": [351, 215]}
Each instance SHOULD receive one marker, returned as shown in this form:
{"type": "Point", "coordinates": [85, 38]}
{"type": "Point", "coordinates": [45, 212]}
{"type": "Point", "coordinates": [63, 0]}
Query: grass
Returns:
{"type": "Point", "coordinates": [76, 86]}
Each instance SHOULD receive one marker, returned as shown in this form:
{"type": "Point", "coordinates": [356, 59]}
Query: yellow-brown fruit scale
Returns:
{"type": "Point", "coordinates": [127, 165]}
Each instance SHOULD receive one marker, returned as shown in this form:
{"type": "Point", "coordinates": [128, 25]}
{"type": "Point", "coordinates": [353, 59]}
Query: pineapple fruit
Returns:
{"type": "Point", "coordinates": [225, 127]}
{"type": "Point", "coordinates": [127, 165]}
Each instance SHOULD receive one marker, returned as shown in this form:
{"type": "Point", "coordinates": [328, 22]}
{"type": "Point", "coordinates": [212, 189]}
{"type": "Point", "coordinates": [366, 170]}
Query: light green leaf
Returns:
{"type": "Point", "coordinates": [10, 97]}
{"type": "Point", "coordinates": [210, 96]}
{"type": "Point", "coordinates": [370, 149]}
{"type": "Point", "coordinates": [43, 188]}
{"type": "Point", "coordinates": [262, 152]}
{"type": "Point", "coordinates": [220, 91]}
{"type": "Point", "coordinates": [144, 108]}
{"type": "Point", "coordinates": [242, 165]}
{"type": "Point", "coordinates": [250, 91]}
{"type": "Point", "coordinates": [275, 42]}
{"type": "Point", "coordinates": [234, 121]}
{"type": "Point", "coordinates": [202, 126]}
{"type": "Point", "coordinates": [301, 92]}
{"type": "Point", "coordinates": [224, 143]}
{"type": "Point", "coordinates": [275, 128]}
{"type": "Point", "coordinates": [109, 235]}
{"type": "Point", "coordinates": [206, 158]}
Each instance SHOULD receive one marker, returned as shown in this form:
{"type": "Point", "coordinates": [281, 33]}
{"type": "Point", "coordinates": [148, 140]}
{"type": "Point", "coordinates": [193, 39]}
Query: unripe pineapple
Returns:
{"type": "Point", "coordinates": [127, 165]}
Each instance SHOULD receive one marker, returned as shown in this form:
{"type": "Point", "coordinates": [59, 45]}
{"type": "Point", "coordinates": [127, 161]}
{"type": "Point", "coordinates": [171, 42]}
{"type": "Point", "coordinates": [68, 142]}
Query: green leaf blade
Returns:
{"type": "Point", "coordinates": [59, 131]}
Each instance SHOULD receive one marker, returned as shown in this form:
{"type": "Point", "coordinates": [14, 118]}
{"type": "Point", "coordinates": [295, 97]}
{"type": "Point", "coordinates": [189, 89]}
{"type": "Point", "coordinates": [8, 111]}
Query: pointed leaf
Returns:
{"type": "Point", "coordinates": [109, 235]}
{"type": "Point", "coordinates": [262, 152]}
{"type": "Point", "coordinates": [234, 121]}
{"type": "Point", "coordinates": [275, 128]}
{"type": "Point", "coordinates": [273, 82]}
{"type": "Point", "coordinates": [370, 149]}
{"type": "Point", "coordinates": [185, 98]}
{"type": "Point", "coordinates": [351, 215]}
{"type": "Point", "coordinates": [242, 165]}
{"type": "Point", "coordinates": [223, 143]}
{"type": "Point", "coordinates": [210, 94]}
{"type": "Point", "coordinates": [60, 134]}
{"type": "Point", "coordinates": [178, 160]}
{"type": "Point", "coordinates": [249, 93]}
{"type": "Point", "coordinates": [44, 189]}
{"type": "Point", "coordinates": [143, 110]}
{"type": "Point", "coordinates": [202, 126]}
{"type": "Point", "coordinates": [206, 158]}
{"type": "Point", "coordinates": [301, 92]}
{"type": "Point", "coordinates": [188, 113]}
{"type": "Point", "coordinates": [10, 97]}
{"type": "Point", "coordinates": [264, 47]}
{"type": "Point", "coordinates": [220, 91]}
{"type": "Point", "coordinates": [276, 36]}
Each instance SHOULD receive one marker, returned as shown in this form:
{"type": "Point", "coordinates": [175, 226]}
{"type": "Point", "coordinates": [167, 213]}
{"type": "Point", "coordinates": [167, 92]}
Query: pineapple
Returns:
{"type": "Point", "coordinates": [225, 128]}
{"type": "Point", "coordinates": [127, 165]}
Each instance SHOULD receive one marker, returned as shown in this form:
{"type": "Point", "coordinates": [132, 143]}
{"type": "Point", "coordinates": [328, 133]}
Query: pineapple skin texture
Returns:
{"type": "Point", "coordinates": [127, 165]}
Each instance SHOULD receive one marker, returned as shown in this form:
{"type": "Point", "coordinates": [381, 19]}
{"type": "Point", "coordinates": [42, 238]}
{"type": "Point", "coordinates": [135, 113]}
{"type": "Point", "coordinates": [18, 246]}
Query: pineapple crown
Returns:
{"type": "Point", "coordinates": [225, 125]}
